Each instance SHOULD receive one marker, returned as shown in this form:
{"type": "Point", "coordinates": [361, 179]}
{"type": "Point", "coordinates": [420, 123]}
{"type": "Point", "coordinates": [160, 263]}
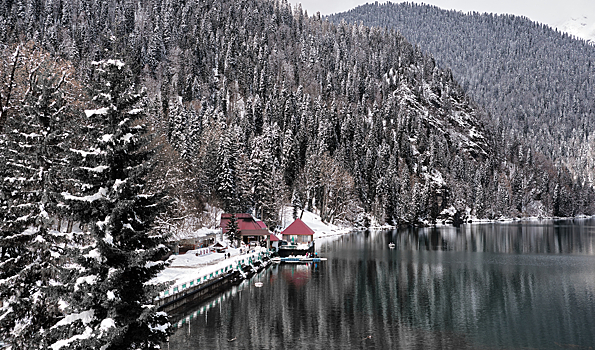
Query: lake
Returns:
{"type": "Point", "coordinates": [523, 285]}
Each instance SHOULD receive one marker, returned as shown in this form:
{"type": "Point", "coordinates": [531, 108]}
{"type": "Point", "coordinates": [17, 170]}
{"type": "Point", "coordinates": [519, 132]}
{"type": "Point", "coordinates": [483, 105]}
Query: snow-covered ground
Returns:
{"type": "Point", "coordinates": [313, 221]}
{"type": "Point", "coordinates": [194, 264]}
{"type": "Point", "coordinates": [190, 266]}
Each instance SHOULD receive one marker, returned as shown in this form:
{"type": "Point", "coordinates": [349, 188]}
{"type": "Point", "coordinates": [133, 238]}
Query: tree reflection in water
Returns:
{"type": "Point", "coordinates": [489, 286]}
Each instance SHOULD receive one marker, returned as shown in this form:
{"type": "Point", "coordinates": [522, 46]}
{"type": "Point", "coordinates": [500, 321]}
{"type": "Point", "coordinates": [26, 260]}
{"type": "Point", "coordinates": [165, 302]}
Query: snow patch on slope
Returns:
{"type": "Point", "coordinates": [320, 228]}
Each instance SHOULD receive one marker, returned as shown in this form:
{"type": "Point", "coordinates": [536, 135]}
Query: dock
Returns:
{"type": "Point", "coordinates": [211, 283]}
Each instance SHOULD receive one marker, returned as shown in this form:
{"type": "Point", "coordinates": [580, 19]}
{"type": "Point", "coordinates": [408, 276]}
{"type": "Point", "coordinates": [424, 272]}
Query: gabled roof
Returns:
{"type": "Point", "coordinates": [274, 238]}
{"type": "Point", "coordinates": [247, 225]}
{"type": "Point", "coordinates": [298, 227]}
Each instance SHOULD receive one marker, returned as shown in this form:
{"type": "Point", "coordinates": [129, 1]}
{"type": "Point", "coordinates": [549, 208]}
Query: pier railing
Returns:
{"type": "Point", "coordinates": [240, 263]}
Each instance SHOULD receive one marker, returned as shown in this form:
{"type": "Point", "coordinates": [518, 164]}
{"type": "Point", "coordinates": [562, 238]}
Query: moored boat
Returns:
{"type": "Point", "coordinates": [287, 249]}
{"type": "Point", "coordinates": [297, 259]}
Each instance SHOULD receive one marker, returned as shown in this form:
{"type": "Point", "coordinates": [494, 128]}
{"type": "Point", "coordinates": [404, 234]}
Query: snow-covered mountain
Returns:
{"type": "Point", "coordinates": [512, 65]}
{"type": "Point", "coordinates": [582, 27]}
{"type": "Point", "coordinates": [575, 17]}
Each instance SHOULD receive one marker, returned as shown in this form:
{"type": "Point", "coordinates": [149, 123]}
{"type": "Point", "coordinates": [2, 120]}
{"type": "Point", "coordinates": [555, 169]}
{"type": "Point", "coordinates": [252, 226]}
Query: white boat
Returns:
{"type": "Point", "coordinates": [286, 249]}
{"type": "Point", "coordinates": [258, 284]}
{"type": "Point", "coordinates": [391, 245]}
{"type": "Point", "coordinates": [297, 259]}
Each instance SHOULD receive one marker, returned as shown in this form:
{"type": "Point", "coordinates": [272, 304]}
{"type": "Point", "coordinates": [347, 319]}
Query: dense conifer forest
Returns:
{"type": "Point", "coordinates": [535, 82]}
{"type": "Point", "coordinates": [136, 120]}
{"type": "Point", "coordinates": [253, 101]}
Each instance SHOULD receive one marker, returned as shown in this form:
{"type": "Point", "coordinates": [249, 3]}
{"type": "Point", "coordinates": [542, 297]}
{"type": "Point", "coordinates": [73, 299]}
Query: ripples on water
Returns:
{"type": "Point", "coordinates": [489, 286]}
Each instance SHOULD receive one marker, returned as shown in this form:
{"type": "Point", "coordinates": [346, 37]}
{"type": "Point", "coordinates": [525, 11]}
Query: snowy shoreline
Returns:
{"type": "Point", "coordinates": [475, 221]}
{"type": "Point", "coordinates": [185, 267]}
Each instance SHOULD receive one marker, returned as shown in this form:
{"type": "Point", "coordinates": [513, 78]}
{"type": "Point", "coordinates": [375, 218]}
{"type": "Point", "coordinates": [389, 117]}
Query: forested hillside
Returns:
{"type": "Point", "coordinates": [137, 120]}
{"type": "Point", "coordinates": [255, 104]}
{"type": "Point", "coordinates": [535, 82]}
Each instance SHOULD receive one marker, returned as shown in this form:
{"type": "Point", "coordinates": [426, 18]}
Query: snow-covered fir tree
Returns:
{"type": "Point", "coordinates": [233, 230]}
{"type": "Point", "coordinates": [227, 179]}
{"type": "Point", "coordinates": [111, 301]}
{"type": "Point", "coordinates": [32, 159]}
{"type": "Point", "coordinates": [296, 203]}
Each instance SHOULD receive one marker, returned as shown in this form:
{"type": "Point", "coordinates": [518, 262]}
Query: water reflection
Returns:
{"type": "Point", "coordinates": [522, 285]}
{"type": "Point", "coordinates": [560, 237]}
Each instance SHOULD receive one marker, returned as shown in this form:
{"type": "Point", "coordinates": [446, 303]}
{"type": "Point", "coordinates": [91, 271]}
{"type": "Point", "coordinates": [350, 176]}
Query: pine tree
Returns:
{"type": "Point", "coordinates": [31, 158]}
{"type": "Point", "coordinates": [296, 202]}
{"type": "Point", "coordinates": [233, 230]}
{"type": "Point", "coordinates": [227, 184]}
{"type": "Point", "coordinates": [111, 302]}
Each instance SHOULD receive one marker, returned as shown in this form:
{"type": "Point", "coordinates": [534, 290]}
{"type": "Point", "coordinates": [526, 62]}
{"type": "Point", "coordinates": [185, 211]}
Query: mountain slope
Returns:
{"type": "Point", "coordinates": [536, 82]}
{"type": "Point", "coordinates": [257, 106]}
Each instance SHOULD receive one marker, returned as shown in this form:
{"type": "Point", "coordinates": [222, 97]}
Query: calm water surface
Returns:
{"type": "Point", "coordinates": [489, 286]}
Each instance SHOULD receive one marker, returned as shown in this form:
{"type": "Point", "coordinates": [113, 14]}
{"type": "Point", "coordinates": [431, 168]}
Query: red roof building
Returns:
{"type": "Point", "coordinates": [298, 232]}
{"type": "Point", "coordinates": [246, 223]}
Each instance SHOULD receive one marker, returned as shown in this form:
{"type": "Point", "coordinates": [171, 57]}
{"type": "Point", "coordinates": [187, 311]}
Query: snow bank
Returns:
{"type": "Point", "coordinates": [314, 221]}
{"type": "Point", "coordinates": [194, 263]}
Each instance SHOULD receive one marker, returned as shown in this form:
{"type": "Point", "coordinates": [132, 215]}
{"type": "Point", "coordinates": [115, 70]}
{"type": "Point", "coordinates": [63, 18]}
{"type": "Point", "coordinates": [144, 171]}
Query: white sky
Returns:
{"type": "Point", "coordinates": [545, 11]}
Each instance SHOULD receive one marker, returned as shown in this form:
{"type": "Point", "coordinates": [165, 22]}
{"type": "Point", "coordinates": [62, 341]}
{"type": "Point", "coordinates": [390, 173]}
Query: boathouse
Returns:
{"type": "Point", "coordinates": [250, 229]}
{"type": "Point", "coordinates": [298, 232]}
{"type": "Point", "coordinates": [274, 242]}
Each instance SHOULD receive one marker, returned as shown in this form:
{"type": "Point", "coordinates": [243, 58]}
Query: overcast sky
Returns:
{"type": "Point", "coordinates": [545, 11]}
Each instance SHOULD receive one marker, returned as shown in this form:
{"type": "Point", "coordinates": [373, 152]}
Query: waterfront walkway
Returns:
{"type": "Point", "coordinates": [192, 268]}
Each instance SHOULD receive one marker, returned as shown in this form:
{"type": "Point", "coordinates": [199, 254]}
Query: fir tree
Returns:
{"type": "Point", "coordinates": [111, 302]}
{"type": "Point", "coordinates": [227, 187]}
{"type": "Point", "coordinates": [31, 158]}
{"type": "Point", "coordinates": [233, 230]}
{"type": "Point", "coordinates": [296, 202]}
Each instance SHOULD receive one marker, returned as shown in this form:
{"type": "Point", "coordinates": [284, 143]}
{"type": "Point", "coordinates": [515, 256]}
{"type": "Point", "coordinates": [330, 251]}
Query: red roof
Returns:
{"type": "Point", "coordinates": [261, 224]}
{"type": "Point", "coordinates": [274, 238]}
{"type": "Point", "coordinates": [298, 227]}
{"type": "Point", "coordinates": [246, 223]}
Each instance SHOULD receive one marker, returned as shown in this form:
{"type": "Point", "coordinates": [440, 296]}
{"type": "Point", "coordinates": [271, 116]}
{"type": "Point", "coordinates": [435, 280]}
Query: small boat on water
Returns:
{"type": "Point", "coordinates": [391, 245]}
{"type": "Point", "coordinates": [258, 284]}
{"type": "Point", "coordinates": [297, 259]}
{"type": "Point", "coordinates": [286, 249]}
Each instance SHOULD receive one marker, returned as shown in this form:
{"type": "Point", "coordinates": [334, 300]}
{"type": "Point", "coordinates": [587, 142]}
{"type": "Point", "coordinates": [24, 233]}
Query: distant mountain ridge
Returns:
{"type": "Point", "coordinates": [536, 82]}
